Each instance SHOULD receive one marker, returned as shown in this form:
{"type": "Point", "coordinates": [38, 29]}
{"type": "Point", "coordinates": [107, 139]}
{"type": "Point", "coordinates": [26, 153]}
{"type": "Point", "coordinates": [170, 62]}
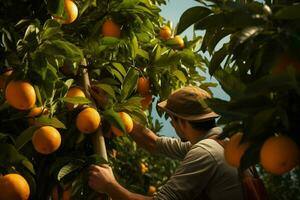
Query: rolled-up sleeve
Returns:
{"type": "Point", "coordinates": [172, 147]}
{"type": "Point", "coordinates": [190, 178]}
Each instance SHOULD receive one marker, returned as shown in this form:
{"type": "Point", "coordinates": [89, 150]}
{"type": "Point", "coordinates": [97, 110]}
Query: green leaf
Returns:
{"type": "Point", "coordinates": [69, 82]}
{"type": "Point", "coordinates": [76, 100]}
{"type": "Point", "coordinates": [139, 116]}
{"type": "Point", "coordinates": [96, 160]}
{"type": "Point", "coordinates": [62, 48]}
{"type": "Point", "coordinates": [129, 84]}
{"type": "Point", "coordinates": [56, 7]}
{"type": "Point", "coordinates": [46, 121]}
{"type": "Point", "coordinates": [212, 37]}
{"type": "Point", "coordinates": [217, 59]}
{"type": "Point", "coordinates": [288, 12]}
{"type": "Point", "coordinates": [28, 165]}
{"type": "Point", "coordinates": [135, 45]}
{"type": "Point", "coordinates": [261, 121]}
{"type": "Point", "coordinates": [120, 68]}
{"type": "Point", "coordinates": [7, 136]}
{"type": "Point", "coordinates": [240, 37]}
{"type": "Point", "coordinates": [180, 76]}
{"type": "Point", "coordinates": [9, 155]}
{"type": "Point", "coordinates": [38, 94]}
{"type": "Point", "coordinates": [117, 74]}
{"type": "Point", "coordinates": [143, 53]}
{"type": "Point", "coordinates": [114, 118]}
{"type": "Point", "coordinates": [108, 89]}
{"type": "Point", "coordinates": [191, 16]}
{"type": "Point", "coordinates": [236, 20]}
{"type": "Point", "coordinates": [68, 169]}
{"type": "Point", "coordinates": [230, 83]}
{"type": "Point", "coordinates": [25, 137]}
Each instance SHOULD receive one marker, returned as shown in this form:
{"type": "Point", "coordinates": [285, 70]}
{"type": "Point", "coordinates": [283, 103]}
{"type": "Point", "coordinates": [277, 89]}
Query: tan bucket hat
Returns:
{"type": "Point", "coordinates": [186, 103]}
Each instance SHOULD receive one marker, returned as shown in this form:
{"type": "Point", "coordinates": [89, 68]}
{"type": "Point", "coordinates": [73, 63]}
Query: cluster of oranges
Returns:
{"type": "Point", "coordinates": [278, 154]}
{"type": "Point", "coordinates": [165, 34]}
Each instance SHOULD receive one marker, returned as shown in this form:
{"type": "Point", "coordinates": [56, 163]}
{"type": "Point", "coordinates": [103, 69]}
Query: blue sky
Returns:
{"type": "Point", "coordinates": [172, 12]}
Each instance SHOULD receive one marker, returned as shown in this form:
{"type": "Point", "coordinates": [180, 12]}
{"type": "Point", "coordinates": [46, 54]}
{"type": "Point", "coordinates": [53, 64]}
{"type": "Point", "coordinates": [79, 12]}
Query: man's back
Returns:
{"type": "Point", "coordinates": [202, 174]}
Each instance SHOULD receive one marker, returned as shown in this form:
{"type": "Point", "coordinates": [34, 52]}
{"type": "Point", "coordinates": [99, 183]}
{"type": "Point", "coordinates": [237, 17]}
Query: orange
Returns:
{"type": "Point", "coordinates": [279, 154]}
{"type": "Point", "coordinates": [71, 10]}
{"type": "Point", "coordinates": [88, 120]}
{"type": "Point", "coordinates": [128, 123]}
{"type": "Point", "coordinates": [143, 168]}
{"type": "Point", "coordinates": [65, 196]}
{"type": "Point", "coordinates": [234, 150]}
{"type": "Point", "coordinates": [179, 42]}
{"type": "Point", "coordinates": [74, 92]}
{"type": "Point", "coordinates": [14, 187]}
{"type": "Point", "coordinates": [46, 140]}
{"type": "Point", "coordinates": [165, 33]}
{"type": "Point", "coordinates": [20, 95]}
{"type": "Point", "coordinates": [151, 189]}
{"type": "Point", "coordinates": [35, 112]}
{"type": "Point", "coordinates": [111, 29]}
{"type": "Point", "coordinates": [143, 86]}
{"type": "Point", "coordinates": [4, 78]}
{"type": "Point", "coordinates": [146, 101]}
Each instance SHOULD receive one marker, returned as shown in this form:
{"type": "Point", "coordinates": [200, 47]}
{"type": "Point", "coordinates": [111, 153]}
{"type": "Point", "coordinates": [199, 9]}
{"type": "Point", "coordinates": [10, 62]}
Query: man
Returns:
{"type": "Point", "coordinates": [202, 173]}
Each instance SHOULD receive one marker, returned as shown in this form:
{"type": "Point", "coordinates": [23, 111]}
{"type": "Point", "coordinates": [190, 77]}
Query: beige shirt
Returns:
{"type": "Point", "coordinates": [202, 173]}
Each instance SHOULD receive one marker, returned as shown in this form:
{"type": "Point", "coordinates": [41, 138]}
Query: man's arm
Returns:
{"type": "Point", "coordinates": [144, 137]}
{"type": "Point", "coordinates": [102, 180]}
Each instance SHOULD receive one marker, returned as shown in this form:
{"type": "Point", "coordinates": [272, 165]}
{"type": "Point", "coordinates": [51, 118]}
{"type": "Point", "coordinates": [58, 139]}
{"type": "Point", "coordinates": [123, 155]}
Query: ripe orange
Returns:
{"type": "Point", "coordinates": [143, 86]}
{"type": "Point", "coordinates": [35, 112]}
{"type": "Point", "coordinates": [74, 92]}
{"type": "Point", "coordinates": [151, 189]}
{"type": "Point", "coordinates": [128, 123]}
{"type": "Point", "coordinates": [234, 150]}
{"type": "Point", "coordinates": [146, 101]}
{"type": "Point", "coordinates": [14, 187]}
{"type": "Point", "coordinates": [88, 120]}
{"type": "Point", "coordinates": [143, 168]}
{"type": "Point", "coordinates": [65, 196]}
{"type": "Point", "coordinates": [71, 10]}
{"type": "Point", "coordinates": [111, 29]}
{"type": "Point", "coordinates": [179, 42]}
{"type": "Point", "coordinates": [279, 154]}
{"type": "Point", "coordinates": [4, 78]}
{"type": "Point", "coordinates": [20, 95]}
{"type": "Point", "coordinates": [165, 33]}
{"type": "Point", "coordinates": [46, 140]}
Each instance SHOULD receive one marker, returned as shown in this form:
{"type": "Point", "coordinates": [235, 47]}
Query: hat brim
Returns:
{"type": "Point", "coordinates": [202, 117]}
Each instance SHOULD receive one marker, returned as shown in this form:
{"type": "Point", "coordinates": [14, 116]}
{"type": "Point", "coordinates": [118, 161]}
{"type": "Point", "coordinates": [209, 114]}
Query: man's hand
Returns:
{"type": "Point", "coordinates": [101, 178]}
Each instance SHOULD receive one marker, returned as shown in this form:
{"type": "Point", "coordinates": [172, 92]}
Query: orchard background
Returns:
{"type": "Point", "coordinates": [54, 54]}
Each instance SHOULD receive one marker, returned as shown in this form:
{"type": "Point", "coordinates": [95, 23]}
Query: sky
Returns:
{"type": "Point", "coordinates": [172, 12]}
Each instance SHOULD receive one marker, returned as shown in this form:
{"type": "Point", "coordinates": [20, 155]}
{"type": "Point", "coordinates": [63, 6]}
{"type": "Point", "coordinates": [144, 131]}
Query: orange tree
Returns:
{"type": "Point", "coordinates": [53, 54]}
{"type": "Point", "coordinates": [254, 49]}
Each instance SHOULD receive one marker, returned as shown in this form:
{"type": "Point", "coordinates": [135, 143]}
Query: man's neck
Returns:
{"type": "Point", "coordinates": [197, 135]}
